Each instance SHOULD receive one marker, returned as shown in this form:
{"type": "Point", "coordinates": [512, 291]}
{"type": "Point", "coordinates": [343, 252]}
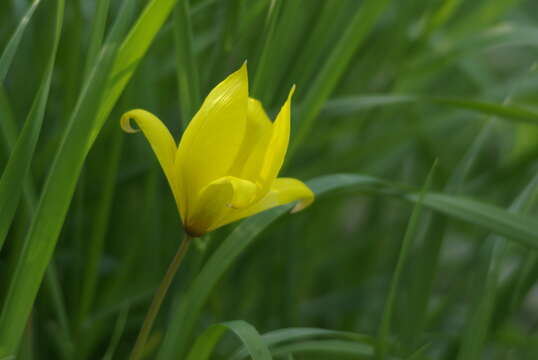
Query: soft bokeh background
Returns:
{"type": "Point", "coordinates": [384, 88]}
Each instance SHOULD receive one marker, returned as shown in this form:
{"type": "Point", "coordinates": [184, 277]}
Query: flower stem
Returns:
{"type": "Point", "coordinates": [158, 299]}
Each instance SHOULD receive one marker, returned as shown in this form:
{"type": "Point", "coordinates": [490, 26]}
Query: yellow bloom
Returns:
{"type": "Point", "coordinates": [227, 162]}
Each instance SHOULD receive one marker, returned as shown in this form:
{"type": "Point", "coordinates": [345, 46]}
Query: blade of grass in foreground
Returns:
{"type": "Point", "coordinates": [97, 34]}
{"type": "Point", "coordinates": [476, 331]}
{"type": "Point", "coordinates": [94, 249]}
{"type": "Point", "coordinates": [116, 335]}
{"type": "Point", "coordinates": [13, 44]}
{"type": "Point", "coordinates": [349, 105]}
{"type": "Point", "coordinates": [19, 162]}
{"type": "Point", "coordinates": [9, 133]}
{"type": "Point", "coordinates": [82, 130]}
{"type": "Point", "coordinates": [519, 227]}
{"type": "Point", "coordinates": [384, 329]}
{"type": "Point", "coordinates": [58, 190]}
{"type": "Point", "coordinates": [265, 50]}
{"type": "Point", "coordinates": [131, 53]}
{"type": "Point", "coordinates": [286, 21]}
{"type": "Point", "coordinates": [329, 75]}
{"type": "Point", "coordinates": [330, 348]}
{"type": "Point", "coordinates": [186, 69]}
{"type": "Point", "coordinates": [43, 233]}
{"type": "Point", "coordinates": [206, 342]}
{"type": "Point", "coordinates": [277, 337]}
{"type": "Point", "coordinates": [426, 259]}
{"type": "Point", "coordinates": [7, 125]}
{"type": "Point", "coordinates": [313, 50]}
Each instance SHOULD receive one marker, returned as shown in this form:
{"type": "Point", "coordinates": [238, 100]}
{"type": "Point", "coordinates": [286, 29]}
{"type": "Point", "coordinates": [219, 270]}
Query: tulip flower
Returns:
{"type": "Point", "coordinates": [226, 165]}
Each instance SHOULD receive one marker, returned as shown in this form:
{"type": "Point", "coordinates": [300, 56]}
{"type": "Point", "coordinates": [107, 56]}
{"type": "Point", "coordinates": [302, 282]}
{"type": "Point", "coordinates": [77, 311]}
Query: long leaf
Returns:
{"type": "Point", "coordinates": [86, 122]}
{"type": "Point", "coordinates": [276, 337]}
{"type": "Point", "coordinates": [41, 238]}
{"type": "Point", "coordinates": [131, 53]}
{"type": "Point", "coordinates": [330, 348]}
{"type": "Point", "coordinates": [350, 105]}
{"type": "Point", "coordinates": [13, 44]}
{"type": "Point", "coordinates": [327, 79]}
{"type": "Point", "coordinates": [186, 68]}
{"type": "Point", "coordinates": [97, 34]}
{"type": "Point", "coordinates": [19, 162]}
{"type": "Point", "coordinates": [410, 233]}
{"type": "Point", "coordinates": [479, 322]}
{"type": "Point", "coordinates": [206, 342]}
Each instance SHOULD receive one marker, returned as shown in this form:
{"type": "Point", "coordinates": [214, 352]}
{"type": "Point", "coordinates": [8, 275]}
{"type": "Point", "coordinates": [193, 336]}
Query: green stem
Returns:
{"type": "Point", "coordinates": [158, 299]}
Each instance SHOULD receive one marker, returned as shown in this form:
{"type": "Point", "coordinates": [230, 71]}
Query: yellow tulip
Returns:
{"type": "Point", "coordinates": [226, 165]}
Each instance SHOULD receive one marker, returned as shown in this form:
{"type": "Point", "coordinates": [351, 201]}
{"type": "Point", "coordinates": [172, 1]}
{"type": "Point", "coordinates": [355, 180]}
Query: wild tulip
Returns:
{"type": "Point", "coordinates": [226, 165]}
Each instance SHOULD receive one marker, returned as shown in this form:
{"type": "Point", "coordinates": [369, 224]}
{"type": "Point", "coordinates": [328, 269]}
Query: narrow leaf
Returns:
{"type": "Point", "coordinates": [13, 44]}
{"type": "Point", "coordinates": [206, 342]}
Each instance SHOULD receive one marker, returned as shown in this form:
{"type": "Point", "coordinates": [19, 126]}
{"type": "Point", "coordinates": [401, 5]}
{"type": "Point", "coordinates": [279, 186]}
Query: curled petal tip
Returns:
{"type": "Point", "coordinates": [125, 122]}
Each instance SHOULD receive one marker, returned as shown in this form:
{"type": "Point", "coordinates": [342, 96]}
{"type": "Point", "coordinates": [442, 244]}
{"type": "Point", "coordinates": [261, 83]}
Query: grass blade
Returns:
{"type": "Point", "coordinates": [330, 348]}
{"type": "Point", "coordinates": [97, 35]}
{"type": "Point", "coordinates": [205, 343]}
{"type": "Point", "coordinates": [331, 72]}
{"type": "Point", "coordinates": [262, 66]}
{"type": "Point", "coordinates": [13, 44]}
{"type": "Point", "coordinates": [518, 227]}
{"type": "Point", "coordinates": [316, 43]}
{"type": "Point", "coordinates": [384, 329]}
{"type": "Point", "coordinates": [93, 253]}
{"type": "Point", "coordinates": [9, 132]}
{"type": "Point", "coordinates": [131, 53]}
{"type": "Point", "coordinates": [276, 337]}
{"type": "Point", "coordinates": [186, 68]}
{"type": "Point", "coordinates": [19, 162]}
{"type": "Point", "coordinates": [118, 331]}
{"type": "Point", "coordinates": [41, 238]}
{"type": "Point", "coordinates": [86, 122]}
{"type": "Point", "coordinates": [350, 105]}
{"type": "Point", "coordinates": [478, 326]}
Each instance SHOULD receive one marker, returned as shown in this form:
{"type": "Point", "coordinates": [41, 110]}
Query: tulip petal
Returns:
{"type": "Point", "coordinates": [249, 160]}
{"type": "Point", "coordinates": [278, 145]}
{"type": "Point", "coordinates": [158, 136]}
{"type": "Point", "coordinates": [216, 200]}
{"type": "Point", "coordinates": [213, 138]}
{"type": "Point", "coordinates": [282, 191]}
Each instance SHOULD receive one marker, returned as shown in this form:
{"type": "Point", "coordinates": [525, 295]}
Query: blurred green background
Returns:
{"type": "Point", "coordinates": [385, 89]}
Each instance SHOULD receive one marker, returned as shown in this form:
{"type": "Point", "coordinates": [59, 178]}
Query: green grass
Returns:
{"type": "Point", "coordinates": [384, 265]}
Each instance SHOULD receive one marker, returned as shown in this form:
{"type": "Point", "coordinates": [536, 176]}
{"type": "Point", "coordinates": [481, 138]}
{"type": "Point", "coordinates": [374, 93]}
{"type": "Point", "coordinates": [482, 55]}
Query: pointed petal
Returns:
{"type": "Point", "coordinates": [283, 191]}
{"type": "Point", "coordinates": [249, 161]}
{"type": "Point", "coordinates": [158, 136]}
{"type": "Point", "coordinates": [218, 199]}
{"type": "Point", "coordinates": [278, 145]}
{"type": "Point", "coordinates": [213, 138]}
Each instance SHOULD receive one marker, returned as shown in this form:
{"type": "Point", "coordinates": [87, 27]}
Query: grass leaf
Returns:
{"type": "Point", "coordinates": [13, 44]}
{"type": "Point", "coordinates": [410, 233]}
{"type": "Point", "coordinates": [41, 238]}
{"type": "Point", "coordinates": [19, 162]}
{"type": "Point", "coordinates": [205, 343]}
{"type": "Point", "coordinates": [331, 72]}
{"type": "Point", "coordinates": [276, 337]}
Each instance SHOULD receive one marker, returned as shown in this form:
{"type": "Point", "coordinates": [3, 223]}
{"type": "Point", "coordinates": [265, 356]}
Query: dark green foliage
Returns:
{"type": "Point", "coordinates": [384, 89]}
